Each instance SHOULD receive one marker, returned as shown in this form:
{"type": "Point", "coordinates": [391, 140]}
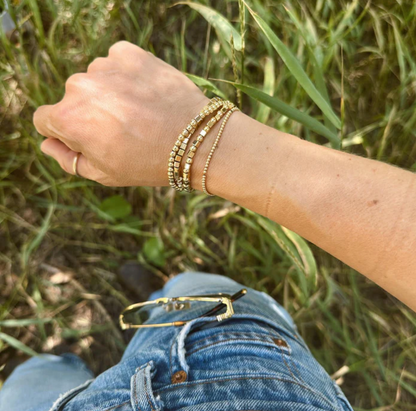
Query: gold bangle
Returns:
{"type": "Point", "coordinates": [214, 146]}
{"type": "Point", "coordinates": [196, 143]}
{"type": "Point", "coordinates": [181, 143]}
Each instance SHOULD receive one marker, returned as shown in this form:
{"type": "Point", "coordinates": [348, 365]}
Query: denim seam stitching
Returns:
{"type": "Point", "coordinates": [135, 392]}
{"type": "Point", "coordinates": [297, 370]}
{"type": "Point", "coordinates": [147, 393]}
{"type": "Point", "coordinates": [232, 339]}
{"type": "Point", "coordinates": [287, 365]}
{"type": "Point", "coordinates": [116, 406]}
{"type": "Point", "coordinates": [190, 384]}
{"type": "Point", "coordinates": [170, 355]}
{"type": "Point", "coordinates": [235, 333]}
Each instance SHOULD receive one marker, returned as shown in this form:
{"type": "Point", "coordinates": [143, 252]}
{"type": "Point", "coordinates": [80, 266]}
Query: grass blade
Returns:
{"type": "Point", "coordinates": [17, 344]}
{"type": "Point", "coordinates": [315, 53]}
{"type": "Point", "coordinates": [206, 84]}
{"type": "Point", "coordinates": [305, 254]}
{"type": "Point", "coordinates": [296, 69]}
{"type": "Point", "coordinates": [29, 248]}
{"type": "Point", "coordinates": [219, 22]}
{"type": "Point", "coordinates": [291, 251]}
{"type": "Point", "coordinates": [268, 88]}
{"type": "Point", "coordinates": [24, 322]}
{"type": "Point", "coordinates": [288, 111]}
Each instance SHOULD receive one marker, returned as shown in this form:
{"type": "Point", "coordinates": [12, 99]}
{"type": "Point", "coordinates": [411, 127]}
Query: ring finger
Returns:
{"type": "Point", "coordinates": [66, 159]}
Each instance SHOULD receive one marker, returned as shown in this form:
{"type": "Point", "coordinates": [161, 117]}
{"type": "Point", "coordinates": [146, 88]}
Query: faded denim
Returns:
{"type": "Point", "coordinates": [254, 361]}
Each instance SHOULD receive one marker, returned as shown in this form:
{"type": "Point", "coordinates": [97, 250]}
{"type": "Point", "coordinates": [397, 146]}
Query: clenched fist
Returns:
{"type": "Point", "coordinates": [123, 116]}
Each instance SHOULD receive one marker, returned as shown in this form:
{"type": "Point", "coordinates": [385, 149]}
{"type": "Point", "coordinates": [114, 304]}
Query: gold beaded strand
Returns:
{"type": "Point", "coordinates": [214, 146]}
{"type": "Point", "coordinates": [227, 105]}
{"type": "Point", "coordinates": [181, 143]}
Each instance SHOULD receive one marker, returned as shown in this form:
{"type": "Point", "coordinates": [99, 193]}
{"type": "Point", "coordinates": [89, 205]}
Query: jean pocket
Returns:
{"type": "Point", "coordinates": [244, 345]}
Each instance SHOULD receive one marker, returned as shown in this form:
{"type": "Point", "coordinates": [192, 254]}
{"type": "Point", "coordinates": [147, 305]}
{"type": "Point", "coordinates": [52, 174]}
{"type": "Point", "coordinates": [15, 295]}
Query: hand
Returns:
{"type": "Point", "coordinates": [123, 115]}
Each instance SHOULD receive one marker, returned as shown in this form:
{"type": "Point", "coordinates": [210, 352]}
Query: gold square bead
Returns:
{"type": "Point", "coordinates": [198, 118]}
{"type": "Point", "coordinates": [178, 158]}
{"type": "Point", "coordinates": [177, 165]}
{"type": "Point", "coordinates": [211, 122]}
{"type": "Point", "coordinates": [203, 133]}
{"type": "Point", "coordinates": [187, 167]}
{"type": "Point", "coordinates": [183, 146]}
{"type": "Point", "coordinates": [181, 152]}
{"type": "Point", "coordinates": [186, 141]}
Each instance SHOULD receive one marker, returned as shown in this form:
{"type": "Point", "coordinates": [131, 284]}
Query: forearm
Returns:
{"type": "Point", "coordinates": [117, 123]}
{"type": "Point", "coordinates": [361, 211]}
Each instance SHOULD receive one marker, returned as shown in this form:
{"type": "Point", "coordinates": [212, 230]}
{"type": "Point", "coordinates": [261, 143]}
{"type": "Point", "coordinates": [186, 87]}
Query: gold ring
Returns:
{"type": "Point", "coordinates": [75, 164]}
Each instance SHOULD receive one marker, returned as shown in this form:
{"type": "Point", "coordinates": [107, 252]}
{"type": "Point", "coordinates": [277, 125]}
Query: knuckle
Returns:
{"type": "Point", "coordinates": [60, 116]}
{"type": "Point", "coordinates": [43, 118]}
{"type": "Point", "coordinates": [97, 64]}
{"type": "Point", "coordinates": [37, 117]}
{"type": "Point", "coordinates": [75, 81]}
{"type": "Point", "coordinates": [126, 49]}
{"type": "Point", "coordinates": [120, 46]}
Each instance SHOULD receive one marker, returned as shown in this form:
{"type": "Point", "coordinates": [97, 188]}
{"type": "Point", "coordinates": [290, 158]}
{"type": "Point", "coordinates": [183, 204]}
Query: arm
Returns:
{"type": "Point", "coordinates": [361, 211]}
{"type": "Point", "coordinates": [125, 113]}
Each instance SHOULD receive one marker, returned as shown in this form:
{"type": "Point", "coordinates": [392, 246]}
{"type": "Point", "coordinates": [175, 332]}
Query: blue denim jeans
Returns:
{"type": "Point", "coordinates": [254, 361]}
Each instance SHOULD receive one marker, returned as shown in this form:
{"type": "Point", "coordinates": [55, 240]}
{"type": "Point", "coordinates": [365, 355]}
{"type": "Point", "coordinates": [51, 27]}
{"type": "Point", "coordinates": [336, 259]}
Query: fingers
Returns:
{"type": "Point", "coordinates": [65, 157]}
{"type": "Point", "coordinates": [42, 119]}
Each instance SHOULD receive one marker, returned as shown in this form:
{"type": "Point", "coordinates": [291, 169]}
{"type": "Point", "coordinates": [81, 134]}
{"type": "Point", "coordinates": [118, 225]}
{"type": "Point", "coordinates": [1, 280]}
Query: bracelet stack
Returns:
{"type": "Point", "coordinates": [183, 182]}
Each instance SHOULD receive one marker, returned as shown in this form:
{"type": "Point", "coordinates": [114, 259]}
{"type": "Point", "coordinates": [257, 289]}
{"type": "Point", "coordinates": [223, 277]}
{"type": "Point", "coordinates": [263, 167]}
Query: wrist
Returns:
{"type": "Point", "coordinates": [248, 165]}
{"type": "Point", "coordinates": [234, 165]}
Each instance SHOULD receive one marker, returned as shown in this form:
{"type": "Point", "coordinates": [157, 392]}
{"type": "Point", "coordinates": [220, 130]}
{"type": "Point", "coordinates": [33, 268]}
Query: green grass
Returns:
{"type": "Point", "coordinates": [360, 59]}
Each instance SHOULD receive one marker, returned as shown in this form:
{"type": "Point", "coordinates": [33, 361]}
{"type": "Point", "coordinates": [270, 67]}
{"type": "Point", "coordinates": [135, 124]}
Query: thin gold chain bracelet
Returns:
{"type": "Point", "coordinates": [181, 143]}
{"type": "Point", "coordinates": [196, 143]}
{"type": "Point", "coordinates": [214, 146]}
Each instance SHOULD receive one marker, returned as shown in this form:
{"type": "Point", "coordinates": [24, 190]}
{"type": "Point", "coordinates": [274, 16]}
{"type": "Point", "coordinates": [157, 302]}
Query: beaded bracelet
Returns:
{"type": "Point", "coordinates": [196, 143]}
{"type": "Point", "coordinates": [181, 144]}
{"type": "Point", "coordinates": [214, 146]}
